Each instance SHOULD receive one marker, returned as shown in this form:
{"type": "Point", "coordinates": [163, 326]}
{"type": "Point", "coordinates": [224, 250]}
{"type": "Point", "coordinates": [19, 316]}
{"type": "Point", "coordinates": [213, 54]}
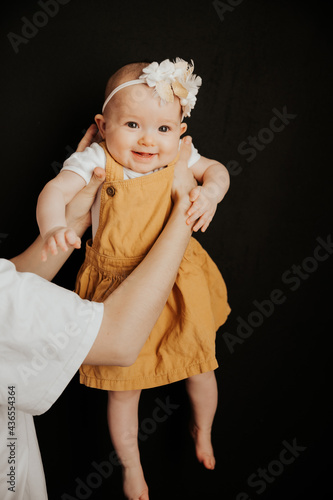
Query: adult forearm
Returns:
{"type": "Point", "coordinates": [133, 308]}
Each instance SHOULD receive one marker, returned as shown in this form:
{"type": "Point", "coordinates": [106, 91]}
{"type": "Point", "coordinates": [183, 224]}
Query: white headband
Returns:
{"type": "Point", "coordinates": [122, 86]}
{"type": "Point", "coordinates": [169, 79]}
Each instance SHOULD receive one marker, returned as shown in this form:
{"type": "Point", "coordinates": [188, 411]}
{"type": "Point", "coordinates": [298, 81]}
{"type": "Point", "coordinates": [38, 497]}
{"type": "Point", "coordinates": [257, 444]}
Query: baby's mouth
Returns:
{"type": "Point", "coordinates": [143, 155]}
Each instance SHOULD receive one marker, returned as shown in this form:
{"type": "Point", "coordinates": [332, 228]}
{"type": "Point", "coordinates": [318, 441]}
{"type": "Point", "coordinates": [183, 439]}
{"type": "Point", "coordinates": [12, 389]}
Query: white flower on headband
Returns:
{"type": "Point", "coordinates": [171, 79]}
{"type": "Point", "coordinates": [158, 72]}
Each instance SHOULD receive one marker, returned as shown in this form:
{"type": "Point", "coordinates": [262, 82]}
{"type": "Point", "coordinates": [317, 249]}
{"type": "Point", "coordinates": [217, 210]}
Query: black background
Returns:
{"type": "Point", "coordinates": [255, 57]}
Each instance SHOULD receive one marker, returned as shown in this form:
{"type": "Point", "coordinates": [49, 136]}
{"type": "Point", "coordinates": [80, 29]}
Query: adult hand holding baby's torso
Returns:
{"type": "Point", "coordinates": [183, 180]}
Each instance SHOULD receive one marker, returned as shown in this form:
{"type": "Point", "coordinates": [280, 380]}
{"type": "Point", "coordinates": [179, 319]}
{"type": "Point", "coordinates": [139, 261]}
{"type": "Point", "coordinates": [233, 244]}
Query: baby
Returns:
{"type": "Point", "coordinates": [141, 125]}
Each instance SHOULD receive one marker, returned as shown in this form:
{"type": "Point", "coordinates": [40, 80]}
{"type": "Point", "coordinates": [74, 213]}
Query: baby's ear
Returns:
{"type": "Point", "coordinates": [183, 128]}
{"type": "Point", "coordinates": [100, 122]}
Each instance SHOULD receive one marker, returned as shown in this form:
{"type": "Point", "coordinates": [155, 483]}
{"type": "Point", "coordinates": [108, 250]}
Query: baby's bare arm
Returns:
{"type": "Point", "coordinates": [214, 174]}
{"type": "Point", "coordinates": [215, 181]}
{"type": "Point", "coordinates": [51, 213]}
{"type": "Point", "coordinates": [52, 201]}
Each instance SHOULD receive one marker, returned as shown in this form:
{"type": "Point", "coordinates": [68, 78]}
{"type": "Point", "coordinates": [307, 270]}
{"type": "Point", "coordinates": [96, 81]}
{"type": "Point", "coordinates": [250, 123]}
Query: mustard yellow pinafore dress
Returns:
{"type": "Point", "coordinates": [133, 213]}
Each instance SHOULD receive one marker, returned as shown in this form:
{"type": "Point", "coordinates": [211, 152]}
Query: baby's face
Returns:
{"type": "Point", "coordinates": [140, 133]}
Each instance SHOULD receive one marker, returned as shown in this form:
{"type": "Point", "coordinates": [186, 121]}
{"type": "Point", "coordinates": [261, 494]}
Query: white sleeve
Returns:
{"type": "Point", "coordinates": [83, 163]}
{"type": "Point", "coordinates": [46, 333]}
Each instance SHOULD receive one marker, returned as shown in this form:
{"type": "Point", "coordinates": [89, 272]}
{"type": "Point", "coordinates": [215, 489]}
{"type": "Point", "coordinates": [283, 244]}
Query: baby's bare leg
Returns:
{"type": "Point", "coordinates": [123, 426]}
{"type": "Point", "coordinates": [202, 391]}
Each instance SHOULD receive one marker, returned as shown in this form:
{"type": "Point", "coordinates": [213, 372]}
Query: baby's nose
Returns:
{"type": "Point", "coordinates": [147, 138]}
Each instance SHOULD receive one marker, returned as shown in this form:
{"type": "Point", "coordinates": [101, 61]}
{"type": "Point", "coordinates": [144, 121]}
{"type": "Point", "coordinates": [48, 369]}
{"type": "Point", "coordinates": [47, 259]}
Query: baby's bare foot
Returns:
{"type": "Point", "coordinates": [135, 486]}
{"type": "Point", "coordinates": [203, 446]}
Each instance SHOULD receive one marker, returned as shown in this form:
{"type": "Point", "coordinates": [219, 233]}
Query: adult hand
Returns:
{"type": "Point", "coordinates": [92, 135]}
{"type": "Point", "coordinates": [183, 181]}
{"type": "Point", "coordinates": [78, 214]}
{"type": "Point", "coordinates": [78, 210]}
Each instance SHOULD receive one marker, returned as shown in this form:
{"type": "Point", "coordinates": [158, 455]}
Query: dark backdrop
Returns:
{"type": "Point", "coordinates": [258, 59]}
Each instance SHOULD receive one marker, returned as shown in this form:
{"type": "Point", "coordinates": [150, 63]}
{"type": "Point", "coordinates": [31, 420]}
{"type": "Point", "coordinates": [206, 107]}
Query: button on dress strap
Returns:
{"type": "Point", "coordinates": [111, 191]}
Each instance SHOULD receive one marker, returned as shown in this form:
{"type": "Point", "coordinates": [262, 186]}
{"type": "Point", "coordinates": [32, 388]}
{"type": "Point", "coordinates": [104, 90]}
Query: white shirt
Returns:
{"type": "Point", "coordinates": [93, 156]}
{"type": "Point", "coordinates": [45, 334]}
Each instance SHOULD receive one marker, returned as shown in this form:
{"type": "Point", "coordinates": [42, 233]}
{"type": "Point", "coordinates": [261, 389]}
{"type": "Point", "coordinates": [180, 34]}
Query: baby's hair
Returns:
{"type": "Point", "coordinates": [124, 74]}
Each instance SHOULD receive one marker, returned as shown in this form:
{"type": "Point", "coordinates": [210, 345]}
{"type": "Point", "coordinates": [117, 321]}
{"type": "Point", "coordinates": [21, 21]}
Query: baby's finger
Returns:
{"type": "Point", "coordinates": [203, 222]}
{"type": "Point", "coordinates": [195, 216]}
{"type": "Point", "coordinates": [72, 239]}
{"type": "Point", "coordinates": [60, 241]}
{"type": "Point", "coordinates": [44, 254]}
{"type": "Point", "coordinates": [205, 226]}
{"type": "Point", "coordinates": [195, 209]}
{"type": "Point", "coordinates": [197, 225]}
{"type": "Point", "coordinates": [195, 193]}
{"type": "Point", "coordinates": [51, 246]}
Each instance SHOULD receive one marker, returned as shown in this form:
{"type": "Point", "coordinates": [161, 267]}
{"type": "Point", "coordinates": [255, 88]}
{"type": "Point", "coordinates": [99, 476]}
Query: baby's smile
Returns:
{"type": "Point", "coordinates": [143, 156]}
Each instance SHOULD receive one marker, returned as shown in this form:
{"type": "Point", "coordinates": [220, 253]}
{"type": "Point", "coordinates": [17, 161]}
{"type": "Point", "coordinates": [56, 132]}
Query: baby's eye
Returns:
{"type": "Point", "coordinates": [132, 125]}
{"type": "Point", "coordinates": [164, 128]}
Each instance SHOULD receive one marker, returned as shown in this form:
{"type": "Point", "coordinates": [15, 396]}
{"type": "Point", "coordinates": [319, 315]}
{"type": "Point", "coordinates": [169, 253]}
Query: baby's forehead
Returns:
{"type": "Point", "coordinates": [134, 95]}
{"type": "Point", "coordinates": [134, 100]}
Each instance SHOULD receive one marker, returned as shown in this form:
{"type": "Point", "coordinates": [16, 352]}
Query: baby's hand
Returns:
{"type": "Point", "coordinates": [202, 209]}
{"type": "Point", "coordinates": [62, 237]}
